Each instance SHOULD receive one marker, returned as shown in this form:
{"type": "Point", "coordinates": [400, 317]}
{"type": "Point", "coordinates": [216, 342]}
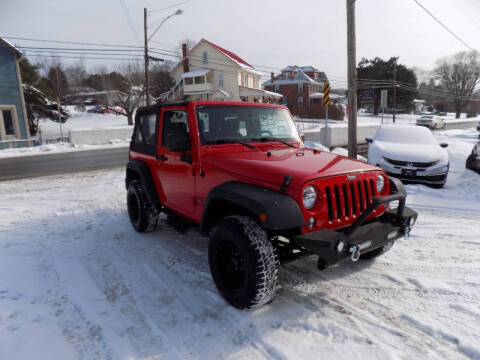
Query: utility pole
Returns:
{"type": "Point", "coordinates": [147, 80]}
{"type": "Point", "coordinates": [394, 87]}
{"type": "Point", "coordinates": [352, 80]}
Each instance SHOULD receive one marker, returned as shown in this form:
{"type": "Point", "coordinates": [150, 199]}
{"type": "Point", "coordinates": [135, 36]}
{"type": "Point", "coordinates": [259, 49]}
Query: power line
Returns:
{"type": "Point", "coordinates": [444, 26]}
{"type": "Point", "coordinates": [169, 7]}
{"type": "Point", "coordinates": [129, 19]}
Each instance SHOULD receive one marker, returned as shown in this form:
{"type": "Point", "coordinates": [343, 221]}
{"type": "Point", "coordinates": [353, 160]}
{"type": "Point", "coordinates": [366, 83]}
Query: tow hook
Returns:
{"type": "Point", "coordinates": [406, 232]}
{"type": "Point", "coordinates": [355, 251]}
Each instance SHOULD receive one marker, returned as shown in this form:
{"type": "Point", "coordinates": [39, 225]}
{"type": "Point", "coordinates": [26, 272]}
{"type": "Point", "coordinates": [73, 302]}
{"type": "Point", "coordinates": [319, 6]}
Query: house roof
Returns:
{"type": "Point", "coordinates": [300, 77]}
{"type": "Point", "coordinates": [230, 54]}
{"type": "Point", "coordinates": [9, 45]}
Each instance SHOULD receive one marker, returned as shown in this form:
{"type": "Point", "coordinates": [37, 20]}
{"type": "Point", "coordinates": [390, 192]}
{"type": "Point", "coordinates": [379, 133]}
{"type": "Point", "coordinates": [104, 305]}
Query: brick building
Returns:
{"type": "Point", "coordinates": [302, 88]}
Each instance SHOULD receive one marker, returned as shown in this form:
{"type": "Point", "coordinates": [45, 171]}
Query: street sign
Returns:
{"type": "Point", "coordinates": [326, 94]}
{"type": "Point", "coordinates": [383, 99]}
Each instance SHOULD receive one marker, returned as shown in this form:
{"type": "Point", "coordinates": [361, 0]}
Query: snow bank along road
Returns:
{"type": "Point", "coordinates": [76, 282]}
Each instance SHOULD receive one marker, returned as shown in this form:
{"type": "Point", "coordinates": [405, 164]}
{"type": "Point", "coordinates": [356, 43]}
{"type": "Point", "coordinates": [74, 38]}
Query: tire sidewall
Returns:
{"type": "Point", "coordinates": [231, 230]}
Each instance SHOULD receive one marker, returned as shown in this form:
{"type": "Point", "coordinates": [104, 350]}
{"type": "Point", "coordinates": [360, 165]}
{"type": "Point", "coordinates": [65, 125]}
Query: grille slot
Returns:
{"type": "Point", "coordinates": [345, 199]}
{"type": "Point", "coordinates": [329, 203]}
{"type": "Point", "coordinates": [360, 196]}
{"type": "Point", "coordinates": [337, 198]}
{"type": "Point", "coordinates": [354, 199]}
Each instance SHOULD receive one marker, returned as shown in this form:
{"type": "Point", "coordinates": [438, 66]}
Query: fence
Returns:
{"type": "Point", "coordinates": [11, 144]}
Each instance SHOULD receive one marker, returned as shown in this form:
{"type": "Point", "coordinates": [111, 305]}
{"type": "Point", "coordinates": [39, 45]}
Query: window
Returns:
{"type": "Point", "coordinates": [173, 118]}
{"type": "Point", "coordinates": [285, 101]}
{"type": "Point", "coordinates": [220, 80]}
{"type": "Point", "coordinates": [286, 75]}
{"type": "Point", "coordinates": [244, 80]}
{"type": "Point", "coordinates": [189, 81]}
{"type": "Point", "coordinates": [244, 123]}
{"type": "Point", "coordinates": [199, 79]}
{"type": "Point", "coordinates": [277, 88]}
{"type": "Point", "coordinates": [300, 88]}
{"type": "Point", "coordinates": [205, 57]}
{"type": "Point", "coordinates": [300, 101]}
{"type": "Point", "coordinates": [145, 133]}
{"type": "Point", "coordinates": [8, 122]}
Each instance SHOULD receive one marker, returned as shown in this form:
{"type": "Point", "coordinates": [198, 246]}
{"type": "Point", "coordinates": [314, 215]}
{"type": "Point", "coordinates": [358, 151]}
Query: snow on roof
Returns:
{"type": "Point", "coordinates": [10, 45]}
{"type": "Point", "coordinates": [319, 95]}
{"type": "Point", "coordinates": [308, 68]}
{"type": "Point", "coordinates": [194, 73]}
{"type": "Point", "coordinates": [405, 134]}
{"type": "Point", "coordinates": [271, 93]}
{"type": "Point", "coordinates": [231, 55]}
{"type": "Point", "coordinates": [418, 101]}
{"type": "Point", "coordinates": [300, 77]}
{"type": "Point", "coordinates": [290, 68]}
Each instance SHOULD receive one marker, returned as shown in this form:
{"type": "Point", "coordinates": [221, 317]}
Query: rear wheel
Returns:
{"type": "Point", "coordinates": [142, 214]}
{"type": "Point", "coordinates": [243, 262]}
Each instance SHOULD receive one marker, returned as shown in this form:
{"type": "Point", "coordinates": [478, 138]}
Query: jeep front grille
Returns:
{"type": "Point", "coordinates": [349, 199]}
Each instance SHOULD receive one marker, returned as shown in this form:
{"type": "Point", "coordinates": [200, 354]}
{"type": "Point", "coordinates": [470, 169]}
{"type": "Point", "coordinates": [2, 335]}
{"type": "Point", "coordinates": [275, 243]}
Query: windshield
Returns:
{"type": "Point", "coordinates": [244, 123]}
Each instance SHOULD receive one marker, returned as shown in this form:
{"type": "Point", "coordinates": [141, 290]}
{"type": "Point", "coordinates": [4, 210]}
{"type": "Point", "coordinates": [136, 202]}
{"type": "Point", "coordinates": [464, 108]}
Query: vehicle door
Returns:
{"type": "Point", "coordinates": [175, 169]}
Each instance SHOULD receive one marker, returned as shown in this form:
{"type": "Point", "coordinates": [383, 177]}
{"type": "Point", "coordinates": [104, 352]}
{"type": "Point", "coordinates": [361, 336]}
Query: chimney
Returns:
{"type": "Point", "coordinates": [186, 65]}
{"type": "Point", "coordinates": [272, 77]}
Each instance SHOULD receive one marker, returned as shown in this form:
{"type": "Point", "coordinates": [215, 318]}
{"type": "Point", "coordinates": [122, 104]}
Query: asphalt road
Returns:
{"type": "Point", "coordinates": [40, 164]}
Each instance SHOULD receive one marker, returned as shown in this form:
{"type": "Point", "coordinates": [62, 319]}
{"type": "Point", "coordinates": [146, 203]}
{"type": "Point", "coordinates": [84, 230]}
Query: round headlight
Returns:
{"type": "Point", "coordinates": [380, 183]}
{"type": "Point", "coordinates": [309, 196]}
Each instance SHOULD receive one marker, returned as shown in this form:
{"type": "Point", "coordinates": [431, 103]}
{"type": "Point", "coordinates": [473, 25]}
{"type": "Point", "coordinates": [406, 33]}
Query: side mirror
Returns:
{"type": "Point", "coordinates": [177, 137]}
{"type": "Point", "coordinates": [443, 145]}
{"type": "Point", "coordinates": [369, 139]}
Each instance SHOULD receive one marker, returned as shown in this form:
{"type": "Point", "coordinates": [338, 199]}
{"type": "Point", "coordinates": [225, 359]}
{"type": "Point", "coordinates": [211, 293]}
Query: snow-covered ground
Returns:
{"type": "Point", "coordinates": [370, 119]}
{"type": "Point", "coordinates": [77, 282]}
{"type": "Point", "coordinates": [78, 120]}
{"type": "Point", "coordinates": [81, 120]}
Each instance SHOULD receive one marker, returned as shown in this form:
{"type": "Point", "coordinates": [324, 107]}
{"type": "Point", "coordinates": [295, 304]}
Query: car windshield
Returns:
{"type": "Point", "coordinates": [428, 117]}
{"type": "Point", "coordinates": [217, 123]}
{"type": "Point", "coordinates": [405, 135]}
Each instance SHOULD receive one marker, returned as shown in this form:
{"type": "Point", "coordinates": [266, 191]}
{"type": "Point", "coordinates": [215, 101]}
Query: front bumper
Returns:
{"type": "Point", "coordinates": [360, 237]}
{"type": "Point", "coordinates": [419, 178]}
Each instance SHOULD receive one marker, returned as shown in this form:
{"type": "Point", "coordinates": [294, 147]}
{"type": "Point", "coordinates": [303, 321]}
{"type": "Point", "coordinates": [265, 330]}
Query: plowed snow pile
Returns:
{"type": "Point", "coordinates": [77, 282]}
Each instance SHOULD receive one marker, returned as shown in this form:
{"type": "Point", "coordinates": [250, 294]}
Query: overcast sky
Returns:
{"type": "Point", "coordinates": [272, 33]}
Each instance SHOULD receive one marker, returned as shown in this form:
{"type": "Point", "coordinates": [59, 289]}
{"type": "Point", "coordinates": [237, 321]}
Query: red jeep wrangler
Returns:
{"type": "Point", "coordinates": [241, 171]}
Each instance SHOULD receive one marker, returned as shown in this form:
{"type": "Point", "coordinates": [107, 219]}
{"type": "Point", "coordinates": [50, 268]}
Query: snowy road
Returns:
{"type": "Point", "coordinates": [76, 282]}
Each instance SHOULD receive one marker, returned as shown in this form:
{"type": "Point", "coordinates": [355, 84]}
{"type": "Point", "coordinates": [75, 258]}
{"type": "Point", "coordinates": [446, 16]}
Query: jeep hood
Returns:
{"type": "Point", "coordinates": [302, 164]}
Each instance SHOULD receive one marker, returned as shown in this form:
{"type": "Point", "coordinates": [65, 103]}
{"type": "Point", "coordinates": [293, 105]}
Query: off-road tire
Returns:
{"type": "Point", "coordinates": [143, 216]}
{"type": "Point", "coordinates": [255, 258]}
{"type": "Point", "coordinates": [377, 252]}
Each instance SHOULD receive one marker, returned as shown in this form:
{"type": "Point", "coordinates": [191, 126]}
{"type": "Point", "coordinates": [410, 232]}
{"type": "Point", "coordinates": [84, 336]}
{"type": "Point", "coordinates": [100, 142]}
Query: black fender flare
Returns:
{"type": "Point", "coordinates": [282, 211]}
{"type": "Point", "coordinates": [396, 186]}
{"type": "Point", "coordinates": [143, 171]}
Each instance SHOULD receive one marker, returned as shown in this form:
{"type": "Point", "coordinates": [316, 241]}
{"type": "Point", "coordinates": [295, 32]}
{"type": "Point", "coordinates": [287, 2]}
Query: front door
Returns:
{"type": "Point", "coordinates": [175, 170]}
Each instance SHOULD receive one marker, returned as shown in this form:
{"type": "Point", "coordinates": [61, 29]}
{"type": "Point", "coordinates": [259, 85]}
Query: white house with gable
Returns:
{"type": "Point", "coordinates": [210, 72]}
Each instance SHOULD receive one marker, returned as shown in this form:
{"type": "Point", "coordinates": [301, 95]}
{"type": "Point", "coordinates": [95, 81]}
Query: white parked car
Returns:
{"type": "Point", "coordinates": [431, 121]}
{"type": "Point", "coordinates": [409, 153]}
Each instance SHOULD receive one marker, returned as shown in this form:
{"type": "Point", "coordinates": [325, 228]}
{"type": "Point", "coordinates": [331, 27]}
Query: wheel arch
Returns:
{"type": "Point", "coordinates": [139, 170]}
{"type": "Point", "coordinates": [279, 211]}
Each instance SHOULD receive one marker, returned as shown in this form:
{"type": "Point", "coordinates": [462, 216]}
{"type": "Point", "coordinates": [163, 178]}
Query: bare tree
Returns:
{"type": "Point", "coordinates": [133, 89]}
{"type": "Point", "coordinates": [460, 75]}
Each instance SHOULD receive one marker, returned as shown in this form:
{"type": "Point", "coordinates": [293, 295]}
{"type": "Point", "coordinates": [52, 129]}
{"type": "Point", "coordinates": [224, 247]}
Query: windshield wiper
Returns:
{"type": "Point", "coordinates": [271, 138]}
{"type": "Point", "coordinates": [230, 141]}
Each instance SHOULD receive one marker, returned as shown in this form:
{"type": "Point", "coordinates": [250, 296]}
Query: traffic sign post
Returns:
{"type": "Point", "coordinates": [383, 101]}
{"type": "Point", "coordinates": [326, 103]}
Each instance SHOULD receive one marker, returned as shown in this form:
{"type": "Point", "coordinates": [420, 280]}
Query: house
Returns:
{"type": "Point", "coordinates": [13, 115]}
{"type": "Point", "coordinates": [210, 72]}
{"type": "Point", "coordinates": [302, 90]}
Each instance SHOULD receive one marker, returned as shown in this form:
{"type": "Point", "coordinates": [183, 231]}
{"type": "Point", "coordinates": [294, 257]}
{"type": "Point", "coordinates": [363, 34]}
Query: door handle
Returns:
{"type": "Point", "coordinates": [162, 158]}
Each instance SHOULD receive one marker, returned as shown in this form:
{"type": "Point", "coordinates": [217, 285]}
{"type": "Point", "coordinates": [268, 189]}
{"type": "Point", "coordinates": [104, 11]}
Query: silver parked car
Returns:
{"type": "Point", "coordinates": [431, 121]}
